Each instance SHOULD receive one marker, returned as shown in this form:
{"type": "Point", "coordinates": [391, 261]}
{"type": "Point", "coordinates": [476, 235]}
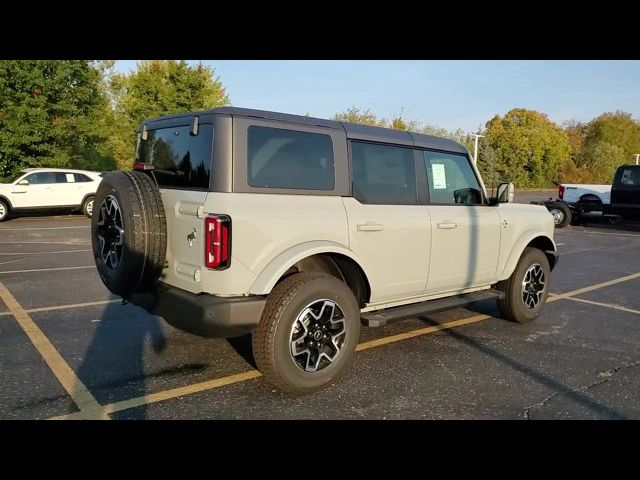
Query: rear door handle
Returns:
{"type": "Point", "coordinates": [370, 227]}
{"type": "Point", "coordinates": [447, 226]}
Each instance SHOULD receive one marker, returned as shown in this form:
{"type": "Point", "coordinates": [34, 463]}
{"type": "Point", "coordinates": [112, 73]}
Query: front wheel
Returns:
{"type": "Point", "coordinates": [527, 288]}
{"type": "Point", "coordinates": [308, 332]}
{"type": "Point", "coordinates": [4, 210]}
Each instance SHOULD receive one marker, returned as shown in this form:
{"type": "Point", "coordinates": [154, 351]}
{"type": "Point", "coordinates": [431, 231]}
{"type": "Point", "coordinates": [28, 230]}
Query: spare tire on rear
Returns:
{"type": "Point", "coordinates": [128, 232]}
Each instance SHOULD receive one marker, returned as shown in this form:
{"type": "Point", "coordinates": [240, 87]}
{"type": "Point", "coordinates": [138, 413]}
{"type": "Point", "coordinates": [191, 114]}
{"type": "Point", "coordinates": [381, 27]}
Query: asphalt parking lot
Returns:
{"type": "Point", "coordinates": [69, 349]}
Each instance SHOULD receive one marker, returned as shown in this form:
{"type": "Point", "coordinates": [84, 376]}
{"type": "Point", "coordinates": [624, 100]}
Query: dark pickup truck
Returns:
{"type": "Point", "coordinates": [592, 203]}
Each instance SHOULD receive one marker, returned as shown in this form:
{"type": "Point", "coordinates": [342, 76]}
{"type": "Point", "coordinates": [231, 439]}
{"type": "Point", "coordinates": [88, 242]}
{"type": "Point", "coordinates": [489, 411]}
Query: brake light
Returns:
{"type": "Point", "coordinates": [561, 192]}
{"type": "Point", "coordinates": [142, 167]}
{"type": "Point", "coordinates": [217, 244]}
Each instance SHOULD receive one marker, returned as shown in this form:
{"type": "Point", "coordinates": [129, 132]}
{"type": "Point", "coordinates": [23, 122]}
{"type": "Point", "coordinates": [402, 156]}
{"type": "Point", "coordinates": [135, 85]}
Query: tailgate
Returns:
{"type": "Point", "coordinates": [185, 235]}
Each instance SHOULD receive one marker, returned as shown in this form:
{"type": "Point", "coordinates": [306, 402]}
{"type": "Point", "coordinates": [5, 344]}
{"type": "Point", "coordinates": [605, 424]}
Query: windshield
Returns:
{"type": "Point", "coordinates": [12, 178]}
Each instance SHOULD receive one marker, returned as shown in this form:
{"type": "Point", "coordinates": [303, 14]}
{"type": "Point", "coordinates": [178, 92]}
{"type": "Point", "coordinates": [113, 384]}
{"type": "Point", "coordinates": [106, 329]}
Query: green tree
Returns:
{"type": "Point", "coordinates": [571, 172]}
{"type": "Point", "coordinates": [49, 114]}
{"type": "Point", "coordinates": [357, 115]}
{"type": "Point", "coordinates": [610, 140]}
{"type": "Point", "coordinates": [530, 149]}
{"type": "Point", "coordinates": [157, 87]}
{"type": "Point", "coordinates": [161, 87]}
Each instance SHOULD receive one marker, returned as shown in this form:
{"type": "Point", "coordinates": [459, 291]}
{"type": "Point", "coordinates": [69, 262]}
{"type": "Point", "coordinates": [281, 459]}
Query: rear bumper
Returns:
{"type": "Point", "coordinates": [203, 315]}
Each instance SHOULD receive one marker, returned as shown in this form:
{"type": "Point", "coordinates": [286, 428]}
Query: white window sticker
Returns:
{"type": "Point", "coordinates": [439, 177]}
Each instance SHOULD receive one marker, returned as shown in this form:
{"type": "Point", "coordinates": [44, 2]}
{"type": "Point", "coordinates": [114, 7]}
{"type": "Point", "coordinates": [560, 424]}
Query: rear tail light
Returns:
{"type": "Point", "coordinates": [561, 192]}
{"type": "Point", "coordinates": [217, 242]}
{"type": "Point", "coordinates": [142, 167]}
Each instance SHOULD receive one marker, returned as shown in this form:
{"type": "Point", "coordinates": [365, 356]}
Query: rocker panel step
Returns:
{"type": "Point", "coordinates": [380, 318]}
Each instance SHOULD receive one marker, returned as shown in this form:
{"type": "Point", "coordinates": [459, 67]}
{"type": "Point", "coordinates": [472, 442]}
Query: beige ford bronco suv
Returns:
{"type": "Point", "coordinates": [299, 229]}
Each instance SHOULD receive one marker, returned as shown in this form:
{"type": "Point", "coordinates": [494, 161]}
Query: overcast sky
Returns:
{"type": "Point", "coordinates": [450, 94]}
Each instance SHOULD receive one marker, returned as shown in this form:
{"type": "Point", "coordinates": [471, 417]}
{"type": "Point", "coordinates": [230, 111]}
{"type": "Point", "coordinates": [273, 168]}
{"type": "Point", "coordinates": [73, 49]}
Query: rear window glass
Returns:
{"type": "Point", "coordinates": [80, 177]}
{"type": "Point", "coordinates": [279, 158]}
{"type": "Point", "coordinates": [383, 174]}
{"type": "Point", "coordinates": [180, 160]}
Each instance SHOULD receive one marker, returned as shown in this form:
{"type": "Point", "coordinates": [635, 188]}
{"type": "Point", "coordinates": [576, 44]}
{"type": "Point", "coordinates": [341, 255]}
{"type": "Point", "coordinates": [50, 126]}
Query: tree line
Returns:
{"type": "Point", "coordinates": [84, 114]}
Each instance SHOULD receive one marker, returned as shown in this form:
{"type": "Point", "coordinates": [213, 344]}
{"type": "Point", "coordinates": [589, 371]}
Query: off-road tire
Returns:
{"type": "Point", "coordinates": [145, 232]}
{"type": "Point", "coordinates": [271, 338]}
{"type": "Point", "coordinates": [512, 306]}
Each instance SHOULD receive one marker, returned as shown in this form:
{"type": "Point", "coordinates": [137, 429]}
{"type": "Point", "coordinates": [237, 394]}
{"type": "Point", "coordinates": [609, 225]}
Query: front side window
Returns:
{"type": "Point", "coordinates": [451, 179]}
{"type": "Point", "coordinates": [41, 178]}
{"type": "Point", "coordinates": [280, 158]}
{"type": "Point", "coordinates": [383, 174]}
{"type": "Point", "coordinates": [180, 160]}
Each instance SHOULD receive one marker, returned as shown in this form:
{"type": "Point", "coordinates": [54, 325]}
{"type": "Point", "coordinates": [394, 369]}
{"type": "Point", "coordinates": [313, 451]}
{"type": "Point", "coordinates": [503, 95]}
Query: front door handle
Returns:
{"type": "Point", "coordinates": [447, 226]}
{"type": "Point", "coordinates": [370, 227]}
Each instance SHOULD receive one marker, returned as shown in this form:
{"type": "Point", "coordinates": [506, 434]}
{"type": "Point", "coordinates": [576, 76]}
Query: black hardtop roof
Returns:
{"type": "Point", "coordinates": [354, 131]}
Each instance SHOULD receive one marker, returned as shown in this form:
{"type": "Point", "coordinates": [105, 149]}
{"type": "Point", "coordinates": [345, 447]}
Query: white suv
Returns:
{"type": "Point", "coordinates": [299, 229]}
{"type": "Point", "coordinates": [49, 188]}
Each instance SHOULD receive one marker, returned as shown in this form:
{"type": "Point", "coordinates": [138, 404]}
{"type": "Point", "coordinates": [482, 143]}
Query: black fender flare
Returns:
{"type": "Point", "coordinates": [591, 198]}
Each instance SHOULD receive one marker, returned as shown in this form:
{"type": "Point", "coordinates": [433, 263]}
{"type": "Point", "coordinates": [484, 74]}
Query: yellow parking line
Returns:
{"type": "Point", "coordinates": [560, 296]}
{"type": "Point", "coordinates": [60, 368]}
{"type": "Point", "coordinates": [608, 305]}
{"type": "Point", "coordinates": [378, 342]}
{"type": "Point", "coordinates": [252, 374]}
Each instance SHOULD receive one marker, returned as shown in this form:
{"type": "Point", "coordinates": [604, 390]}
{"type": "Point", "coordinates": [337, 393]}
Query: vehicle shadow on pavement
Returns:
{"type": "Point", "coordinates": [115, 355]}
{"type": "Point", "coordinates": [242, 346]}
{"type": "Point", "coordinates": [558, 388]}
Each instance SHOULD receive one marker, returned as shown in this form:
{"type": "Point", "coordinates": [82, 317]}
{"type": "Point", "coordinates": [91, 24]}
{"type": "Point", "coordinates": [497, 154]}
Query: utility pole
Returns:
{"type": "Point", "coordinates": [475, 149]}
{"type": "Point", "coordinates": [637, 155]}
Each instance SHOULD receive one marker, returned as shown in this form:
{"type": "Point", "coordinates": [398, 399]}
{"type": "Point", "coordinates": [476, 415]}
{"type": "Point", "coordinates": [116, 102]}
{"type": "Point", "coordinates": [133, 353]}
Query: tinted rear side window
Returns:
{"type": "Point", "coordinates": [279, 158]}
{"type": "Point", "coordinates": [383, 174]}
{"type": "Point", "coordinates": [180, 160]}
{"type": "Point", "coordinates": [81, 177]}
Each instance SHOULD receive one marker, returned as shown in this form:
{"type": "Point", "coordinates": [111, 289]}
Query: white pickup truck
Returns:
{"type": "Point", "coordinates": [574, 193]}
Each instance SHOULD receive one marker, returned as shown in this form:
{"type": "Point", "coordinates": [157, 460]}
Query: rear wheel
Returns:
{"type": "Point", "coordinates": [308, 332]}
{"type": "Point", "coordinates": [527, 288]}
{"type": "Point", "coordinates": [4, 210]}
{"type": "Point", "coordinates": [128, 232]}
{"type": "Point", "coordinates": [87, 206]}
{"type": "Point", "coordinates": [561, 214]}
